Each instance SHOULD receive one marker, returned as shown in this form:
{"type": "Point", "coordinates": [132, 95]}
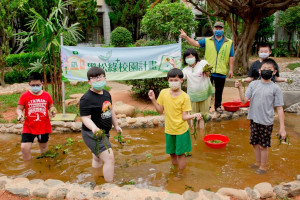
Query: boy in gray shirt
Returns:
{"type": "Point", "coordinates": [264, 95]}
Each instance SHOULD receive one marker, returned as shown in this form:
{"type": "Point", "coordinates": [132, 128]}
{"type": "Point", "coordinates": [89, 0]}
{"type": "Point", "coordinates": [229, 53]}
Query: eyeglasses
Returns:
{"type": "Point", "coordinates": [35, 85]}
{"type": "Point", "coordinates": [97, 77]}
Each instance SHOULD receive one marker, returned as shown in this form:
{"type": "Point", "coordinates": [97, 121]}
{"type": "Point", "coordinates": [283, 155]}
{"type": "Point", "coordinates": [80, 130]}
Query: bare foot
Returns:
{"type": "Point", "coordinates": [178, 177]}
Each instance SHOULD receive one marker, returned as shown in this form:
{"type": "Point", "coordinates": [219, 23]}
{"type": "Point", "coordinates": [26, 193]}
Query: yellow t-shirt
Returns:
{"type": "Point", "coordinates": [173, 108]}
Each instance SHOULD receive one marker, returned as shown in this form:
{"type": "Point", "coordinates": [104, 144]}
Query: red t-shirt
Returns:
{"type": "Point", "coordinates": [36, 113]}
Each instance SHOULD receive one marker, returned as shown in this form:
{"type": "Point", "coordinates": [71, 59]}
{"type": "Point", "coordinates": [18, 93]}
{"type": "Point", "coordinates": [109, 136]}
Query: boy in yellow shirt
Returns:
{"type": "Point", "coordinates": [176, 105]}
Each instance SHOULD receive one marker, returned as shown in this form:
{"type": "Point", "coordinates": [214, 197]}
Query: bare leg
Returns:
{"type": "Point", "coordinates": [109, 165]}
{"type": "Point", "coordinates": [96, 162]}
{"type": "Point", "coordinates": [174, 159]}
{"type": "Point", "coordinates": [257, 154]}
{"type": "Point", "coordinates": [43, 147]}
{"type": "Point", "coordinates": [181, 165]}
{"type": "Point", "coordinates": [263, 157]}
{"type": "Point", "coordinates": [25, 149]}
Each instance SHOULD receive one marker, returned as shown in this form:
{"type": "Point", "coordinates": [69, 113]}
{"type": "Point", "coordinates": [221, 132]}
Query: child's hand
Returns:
{"type": "Point", "coordinates": [237, 84]}
{"type": "Point", "coordinates": [95, 129]}
{"type": "Point", "coordinates": [20, 118]}
{"type": "Point", "coordinates": [151, 95]}
{"type": "Point", "coordinates": [52, 112]}
{"type": "Point", "coordinates": [118, 129]}
{"type": "Point", "coordinates": [172, 62]}
{"type": "Point", "coordinates": [198, 116]}
{"type": "Point", "coordinates": [282, 133]}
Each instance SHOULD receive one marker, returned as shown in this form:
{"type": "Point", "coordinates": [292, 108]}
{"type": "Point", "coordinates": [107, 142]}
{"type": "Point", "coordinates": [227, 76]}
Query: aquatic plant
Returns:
{"type": "Point", "coordinates": [100, 134]}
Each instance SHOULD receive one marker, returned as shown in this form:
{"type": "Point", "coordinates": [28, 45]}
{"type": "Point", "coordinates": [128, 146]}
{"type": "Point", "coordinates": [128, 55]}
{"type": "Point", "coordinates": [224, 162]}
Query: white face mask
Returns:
{"type": "Point", "coordinates": [190, 61]}
{"type": "Point", "coordinates": [263, 55]}
{"type": "Point", "coordinates": [175, 85]}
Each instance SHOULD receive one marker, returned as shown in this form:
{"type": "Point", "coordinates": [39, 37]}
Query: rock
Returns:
{"type": "Point", "coordinates": [126, 109]}
{"type": "Point", "coordinates": [78, 195]}
{"type": "Point", "coordinates": [235, 116]}
{"type": "Point", "coordinates": [70, 102]}
{"type": "Point", "coordinates": [105, 186]}
{"type": "Point", "coordinates": [148, 198]}
{"type": "Point", "coordinates": [174, 197]}
{"type": "Point", "coordinates": [58, 194]}
{"type": "Point", "coordinates": [119, 116]}
{"type": "Point", "coordinates": [40, 192]}
{"type": "Point", "coordinates": [18, 126]}
{"type": "Point", "coordinates": [265, 190]}
{"type": "Point", "coordinates": [36, 181]}
{"type": "Point", "coordinates": [76, 96]}
{"type": "Point", "coordinates": [290, 98]}
{"type": "Point", "coordinates": [2, 184]}
{"type": "Point", "coordinates": [190, 195]}
{"type": "Point", "coordinates": [298, 177]}
{"type": "Point", "coordinates": [155, 121]}
{"type": "Point", "coordinates": [101, 194]}
{"type": "Point", "coordinates": [253, 194]}
{"type": "Point", "coordinates": [53, 182]}
{"type": "Point", "coordinates": [73, 83]}
{"type": "Point", "coordinates": [76, 126]}
{"type": "Point", "coordinates": [89, 185]}
{"type": "Point", "coordinates": [57, 124]}
{"type": "Point", "coordinates": [293, 188]}
{"type": "Point", "coordinates": [280, 192]}
{"type": "Point", "coordinates": [23, 192]}
{"type": "Point", "coordinates": [238, 194]}
{"type": "Point", "coordinates": [8, 125]}
{"type": "Point", "coordinates": [226, 116]}
{"type": "Point", "coordinates": [207, 195]}
{"type": "Point", "coordinates": [131, 120]}
{"type": "Point", "coordinates": [128, 187]}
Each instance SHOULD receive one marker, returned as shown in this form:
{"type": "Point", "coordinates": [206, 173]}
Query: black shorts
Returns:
{"type": "Point", "coordinates": [28, 137]}
{"type": "Point", "coordinates": [260, 134]}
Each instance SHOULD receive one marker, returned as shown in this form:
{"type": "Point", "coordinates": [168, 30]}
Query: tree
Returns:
{"type": "Point", "coordinates": [85, 13]}
{"type": "Point", "coordinates": [165, 20]}
{"type": "Point", "coordinates": [251, 12]}
{"type": "Point", "coordinates": [8, 14]}
{"type": "Point", "coordinates": [45, 35]}
{"type": "Point", "coordinates": [128, 14]}
{"type": "Point", "coordinates": [290, 21]}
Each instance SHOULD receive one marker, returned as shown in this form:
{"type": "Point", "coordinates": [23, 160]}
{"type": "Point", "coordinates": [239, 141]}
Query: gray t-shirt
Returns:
{"type": "Point", "coordinates": [264, 97]}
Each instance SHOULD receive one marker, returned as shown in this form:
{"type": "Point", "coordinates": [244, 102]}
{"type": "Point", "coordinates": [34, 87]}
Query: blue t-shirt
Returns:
{"type": "Point", "coordinates": [218, 46]}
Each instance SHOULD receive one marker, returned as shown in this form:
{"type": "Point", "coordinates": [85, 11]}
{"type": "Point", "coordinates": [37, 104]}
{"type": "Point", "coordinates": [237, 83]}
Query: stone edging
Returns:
{"type": "Point", "coordinates": [59, 190]}
{"type": "Point", "coordinates": [60, 127]}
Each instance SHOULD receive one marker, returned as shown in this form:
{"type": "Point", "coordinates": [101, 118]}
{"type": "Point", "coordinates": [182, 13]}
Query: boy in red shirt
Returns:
{"type": "Point", "coordinates": [38, 106]}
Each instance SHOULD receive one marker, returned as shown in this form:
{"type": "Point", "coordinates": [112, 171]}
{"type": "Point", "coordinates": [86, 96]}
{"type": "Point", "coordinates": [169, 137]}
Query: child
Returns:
{"type": "Point", "coordinates": [264, 51]}
{"type": "Point", "coordinates": [38, 107]}
{"type": "Point", "coordinates": [265, 95]}
{"type": "Point", "coordinates": [176, 105]}
{"type": "Point", "coordinates": [199, 87]}
{"type": "Point", "coordinates": [97, 113]}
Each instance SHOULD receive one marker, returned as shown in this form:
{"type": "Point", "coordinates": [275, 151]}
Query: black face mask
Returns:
{"type": "Point", "coordinates": [266, 74]}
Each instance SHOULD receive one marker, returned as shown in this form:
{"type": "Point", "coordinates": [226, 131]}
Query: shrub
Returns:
{"type": "Point", "coordinates": [16, 75]}
{"type": "Point", "coordinates": [22, 60]}
{"type": "Point", "coordinates": [120, 37]}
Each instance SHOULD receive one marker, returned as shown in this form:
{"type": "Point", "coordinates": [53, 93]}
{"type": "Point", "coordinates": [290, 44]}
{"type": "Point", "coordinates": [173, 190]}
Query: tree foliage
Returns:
{"type": "Point", "coordinates": [128, 14]}
{"type": "Point", "coordinates": [165, 20]}
{"type": "Point", "coordinates": [10, 10]}
{"type": "Point", "coordinates": [290, 19]}
{"type": "Point", "coordinates": [251, 13]}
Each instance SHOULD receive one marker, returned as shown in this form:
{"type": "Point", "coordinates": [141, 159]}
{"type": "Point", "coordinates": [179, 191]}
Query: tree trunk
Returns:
{"type": "Point", "coordinates": [59, 81]}
{"type": "Point", "coordinates": [243, 49]}
{"type": "Point", "coordinates": [45, 76]}
{"type": "Point", "coordinates": [2, 67]}
{"type": "Point", "coordinates": [289, 42]}
{"type": "Point", "coordinates": [276, 30]}
{"type": "Point", "coordinates": [55, 76]}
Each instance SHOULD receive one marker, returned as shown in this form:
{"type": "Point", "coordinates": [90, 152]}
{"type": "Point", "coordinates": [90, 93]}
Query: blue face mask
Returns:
{"type": "Point", "coordinates": [219, 33]}
{"type": "Point", "coordinates": [99, 85]}
{"type": "Point", "coordinates": [36, 89]}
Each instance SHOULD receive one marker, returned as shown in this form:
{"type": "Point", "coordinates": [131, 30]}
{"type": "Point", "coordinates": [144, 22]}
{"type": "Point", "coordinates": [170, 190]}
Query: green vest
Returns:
{"type": "Point", "coordinates": [219, 61]}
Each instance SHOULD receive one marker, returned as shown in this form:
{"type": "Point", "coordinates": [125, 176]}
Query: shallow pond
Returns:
{"type": "Point", "coordinates": [143, 161]}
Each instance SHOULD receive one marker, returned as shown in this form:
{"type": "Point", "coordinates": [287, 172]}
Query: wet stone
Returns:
{"type": "Point", "coordinates": [253, 194]}
{"type": "Point", "coordinates": [18, 126]}
{"type": "Point", "coordinates": [280, 191]}
{"type": "Point", "coordinates": [36, 181]}
{"type": "Point", "coordinates": [101, 194]}
{"type": "Point", "coordinates": [23, 192]}
{"type": "Point", "coordinates": [190, 195]}
{"type": "Point", "coordinates": [52, 182]}
{"type": "Point", "coordinates": [89, 185]}
{"type": "Point", "coordinates": [40, 192]}
{"type": "Point", "coordinates": [59, 194]}
{"type": "Point", "coordinates": [78, 195]}
{"type": "Point", "coordinates": [298, 177]}
{"type": "Point", "coordinates": [174, 197]}
{"type": "Point", "coordinates": [2, 184]}
{"type": "Point", "coordinates": [148, 198]}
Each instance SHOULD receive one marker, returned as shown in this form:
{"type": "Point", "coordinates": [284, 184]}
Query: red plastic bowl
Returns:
{"type": "Point", "coordinates": [209, 137]}
{"type": "Point", "coordinates": [247, 104]}
{"type": "Point", "coordinates": [231, 106]}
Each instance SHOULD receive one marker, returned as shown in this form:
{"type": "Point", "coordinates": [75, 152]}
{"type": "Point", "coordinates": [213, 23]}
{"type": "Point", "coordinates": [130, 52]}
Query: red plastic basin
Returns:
{"type": "Point", "coordinates": [209, 137]}
{"type": "Point", "coordinates": [231, 106]}
{"type": "Point", "coordinates": [247, 104]}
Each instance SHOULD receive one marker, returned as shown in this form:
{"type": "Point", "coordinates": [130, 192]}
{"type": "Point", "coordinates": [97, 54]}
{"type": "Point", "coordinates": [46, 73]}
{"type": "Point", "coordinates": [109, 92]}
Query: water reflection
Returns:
{"type": "Point", "coordinates": [143, 161]}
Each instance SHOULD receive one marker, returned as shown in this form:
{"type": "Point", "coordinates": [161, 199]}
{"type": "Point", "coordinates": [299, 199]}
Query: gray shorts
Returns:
{"type": "Point", "coordinates": [91, 142]}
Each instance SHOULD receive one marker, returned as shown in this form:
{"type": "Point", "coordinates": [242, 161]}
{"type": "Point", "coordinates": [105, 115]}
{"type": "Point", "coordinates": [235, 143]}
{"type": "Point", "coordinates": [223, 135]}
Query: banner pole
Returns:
{"type": "Point", "coordinates": [63, 83]}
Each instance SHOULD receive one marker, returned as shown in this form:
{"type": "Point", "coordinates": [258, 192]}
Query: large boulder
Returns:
{"type": "Point", "coordinates": [121, 108]}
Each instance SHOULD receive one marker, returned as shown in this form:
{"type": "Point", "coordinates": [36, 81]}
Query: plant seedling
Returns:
{"type": "Point", "coordinates": [243, 84]}
{"type": "Point", "coordinates": [286, 139]}
{"type": "Point", "coordinates": [100, 134]}
{"type": "Point", "coordinates": [289, 81]}
{"type": "Point", "coordinates": [119, 138]}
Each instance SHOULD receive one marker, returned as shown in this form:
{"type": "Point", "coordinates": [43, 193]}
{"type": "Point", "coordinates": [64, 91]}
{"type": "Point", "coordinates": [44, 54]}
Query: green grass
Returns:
{"type": "Point", "coordinates": [145, 112]}
{"type": "Point", "coordinates": [3, 121]}
{"type": "Point", "coordinates": [292, 66]}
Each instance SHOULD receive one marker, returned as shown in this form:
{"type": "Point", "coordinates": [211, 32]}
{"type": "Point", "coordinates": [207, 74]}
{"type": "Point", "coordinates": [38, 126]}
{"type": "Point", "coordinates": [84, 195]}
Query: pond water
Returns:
{"type": "Point", "coordinates": [143, 161]}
